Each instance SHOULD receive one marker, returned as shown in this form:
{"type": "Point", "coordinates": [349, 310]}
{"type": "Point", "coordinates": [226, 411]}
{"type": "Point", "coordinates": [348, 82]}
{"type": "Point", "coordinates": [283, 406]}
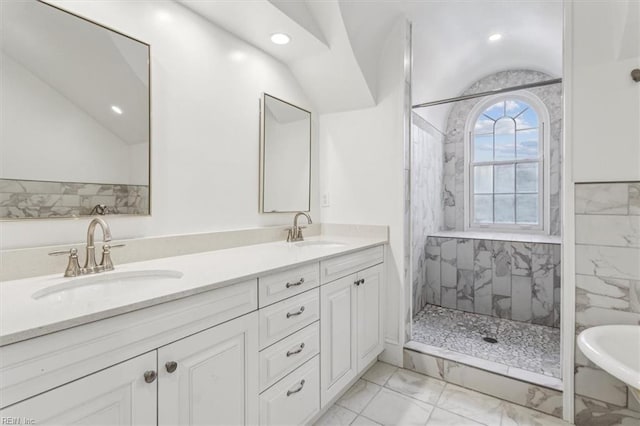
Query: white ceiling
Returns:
{"type": "Point", "coordinates": [92, 67]}
{"type": "Point", "coordinates": [335, 51]}
{"type": "Point", "coordinates": [451, 49]}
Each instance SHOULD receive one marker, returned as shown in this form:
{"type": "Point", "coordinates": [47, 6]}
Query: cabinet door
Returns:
{"type": "Point", "coordinates": [369, 320]}
{"type": "Point", "coordinates": [211, 378]}
{"type": "Point", "coordinates": [338, 336]}
{"type": "Point", "coordinates": [118, 395]}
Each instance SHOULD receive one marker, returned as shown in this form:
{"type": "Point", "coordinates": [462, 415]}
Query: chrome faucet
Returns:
{"type": "Point", "coordinates": [295, 233]}
{"type": "Point", "coordinates": [90, 266]}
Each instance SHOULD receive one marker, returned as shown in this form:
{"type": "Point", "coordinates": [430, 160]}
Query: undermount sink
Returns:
{"type": "Point", "coordinates": [615, 349]}
{"type": "Point", "coordinates": [320, 243]}
{"type": "Point", "coordinates": [104, 284]}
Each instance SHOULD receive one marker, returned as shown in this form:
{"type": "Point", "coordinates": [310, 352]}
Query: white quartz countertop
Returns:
{"type": "Point", "coordinates": [24, 317]}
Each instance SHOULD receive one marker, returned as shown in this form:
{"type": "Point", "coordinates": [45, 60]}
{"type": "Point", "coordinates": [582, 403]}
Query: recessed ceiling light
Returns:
{"type": "Point", "coordinates": [495, 37]}
{"type": "Point", "coordinates": [280, 38]}
{"type": "Point", "coordinates": [116, 109]}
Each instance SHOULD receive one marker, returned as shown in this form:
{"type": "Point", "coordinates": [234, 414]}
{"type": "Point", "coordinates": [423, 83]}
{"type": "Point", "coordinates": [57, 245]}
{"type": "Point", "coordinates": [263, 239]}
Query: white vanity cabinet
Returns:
{"type": "Point", "coordinates": [118, 395]}
{"type": "Point", "coordinates": [350, 319]}
{"type": "Point", "coordinates": [272, 350]}
{"type": "Point", "coordinates": [211, 378]}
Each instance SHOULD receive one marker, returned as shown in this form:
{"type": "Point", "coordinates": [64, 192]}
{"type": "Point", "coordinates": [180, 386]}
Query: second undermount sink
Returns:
{"type": "Point", "coordinates": [615, 349]}
{"type": "Point", "coordinates": [320, 243]}
{"type": "Point", "coordinates": [104, 284]}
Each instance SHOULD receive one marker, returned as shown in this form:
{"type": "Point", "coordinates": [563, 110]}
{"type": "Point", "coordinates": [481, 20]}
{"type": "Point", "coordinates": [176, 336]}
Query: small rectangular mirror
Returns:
{"type": "Point", "coordinates": [75, 122]}
{"type": "Point", "coordinates": [285, 157]}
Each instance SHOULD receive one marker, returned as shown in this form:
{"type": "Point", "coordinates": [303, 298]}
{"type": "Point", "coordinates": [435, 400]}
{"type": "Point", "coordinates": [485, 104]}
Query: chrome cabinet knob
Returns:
{"type": "Point", "coordinates": [171, 366]}
{"type": "Point", "coordinates": [150, 376]}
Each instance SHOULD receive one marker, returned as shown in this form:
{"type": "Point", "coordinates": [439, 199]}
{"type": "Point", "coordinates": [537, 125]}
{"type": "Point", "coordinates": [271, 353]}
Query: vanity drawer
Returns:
{"type": "Point", "coordinates": [288, 316]}
{"type": "Point", "coordinates": [280, 359]}
{"type": "Point", "coordinates": [281, 285]}
{"type": "Point", "coordinates": [294, 400]}
{"type": "Point", "coordinates": [341, 266]}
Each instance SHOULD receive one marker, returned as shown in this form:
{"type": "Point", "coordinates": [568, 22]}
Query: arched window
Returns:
{"type": "Point", "coordinates": [506, 171]}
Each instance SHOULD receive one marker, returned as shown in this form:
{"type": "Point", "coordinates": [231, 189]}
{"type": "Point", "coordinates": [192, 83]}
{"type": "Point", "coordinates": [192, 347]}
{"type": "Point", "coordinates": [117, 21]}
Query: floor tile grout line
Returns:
{"type": "Point", "coordinates": [371, 400]}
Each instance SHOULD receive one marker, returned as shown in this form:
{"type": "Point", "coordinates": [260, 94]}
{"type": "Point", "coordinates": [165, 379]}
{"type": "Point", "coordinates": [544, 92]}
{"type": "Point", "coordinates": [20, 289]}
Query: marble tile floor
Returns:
{"type": "Point", "coordinates": [387, 395]}
{"type": "Point", "coordinates": [525, 346]}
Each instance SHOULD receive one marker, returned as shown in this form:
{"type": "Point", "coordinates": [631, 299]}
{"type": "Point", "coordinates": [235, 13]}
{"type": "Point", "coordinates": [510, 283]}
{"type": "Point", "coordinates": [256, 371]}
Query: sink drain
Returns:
{"type": "Point", "coordinates": [490, 340]}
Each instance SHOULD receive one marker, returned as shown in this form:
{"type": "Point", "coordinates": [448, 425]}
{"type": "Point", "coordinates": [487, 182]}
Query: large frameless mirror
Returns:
{"type": "Point", "coordinates": [285, 156]}
{"type": "Point", "coordinates": [75, 121]}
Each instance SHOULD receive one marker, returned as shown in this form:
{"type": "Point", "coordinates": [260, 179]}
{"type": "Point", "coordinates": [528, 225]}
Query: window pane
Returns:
{"type": "Point", "coordinates": [495, 111]}
{"type": "Point", "coordinates": [505, 179]}
{"type": "Point", "coordinates": [515, 107]}
{"type": "Point", "coordinates": [505, 126]}
{"type": "Point", "coordinates": [483, 148]}
{"type": "Point", "coordinates": [505, 147]}
{"type": "Point", "coordinates": [527, 209]}
{"type": "Point", "coordinates": [484, 125]}
{"type": "Point", "coordinates": [527, 143]}
{"type": "Point", "coordinates": [527, 120]}
{"type": "Point", "coordinates": [483, 208]}
{"type": "Point", "coordinates": [526, 177]}
{"type": "Point", "coordinates": [504, 208]}
{"type": "Point", "coordinates": [483, 179]}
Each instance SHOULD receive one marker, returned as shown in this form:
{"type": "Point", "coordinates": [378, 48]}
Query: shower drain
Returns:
{"type": "Point", "coordinates": [490, 340]}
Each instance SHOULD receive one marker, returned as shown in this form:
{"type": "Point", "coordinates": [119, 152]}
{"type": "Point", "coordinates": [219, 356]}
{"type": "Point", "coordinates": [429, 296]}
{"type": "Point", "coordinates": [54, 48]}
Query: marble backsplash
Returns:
{"type": "Point", "coordinates": [506, 279]}
{"type": "Point", "coordinates": [453, 180]}
{"type": "Point", "coordinates": [607, 292]}
{"type": "Point", "coordinates": [28, 199]}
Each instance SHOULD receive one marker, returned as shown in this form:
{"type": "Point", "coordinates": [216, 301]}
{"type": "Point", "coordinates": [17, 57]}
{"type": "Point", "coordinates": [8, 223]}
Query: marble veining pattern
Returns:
{"type": "Point", "coordinates": [529, 347]}
{"type": "Point", "coordinates": [504, 279]}
{"type": "Point", "coordinates": [426, 175]}
{"type": "Point", "coordinates": [453, 158]}
{"type": "Point", "coordinates": [22, 199]}
{"type": "Point", "coordinates": [607, 291]}
{"type": "Point", "coordinates": [409, 398]}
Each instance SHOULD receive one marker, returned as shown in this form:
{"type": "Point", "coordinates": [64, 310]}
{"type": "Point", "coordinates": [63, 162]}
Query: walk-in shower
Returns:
{"type": "Point", "coordinates": [486, 222]}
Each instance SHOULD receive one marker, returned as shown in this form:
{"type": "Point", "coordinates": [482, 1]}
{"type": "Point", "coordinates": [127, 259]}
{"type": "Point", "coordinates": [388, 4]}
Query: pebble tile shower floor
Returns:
{"type": "Point", "coordinates": [530, 347]}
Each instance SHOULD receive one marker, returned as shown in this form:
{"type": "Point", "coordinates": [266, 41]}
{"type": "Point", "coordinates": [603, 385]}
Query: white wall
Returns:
{"type": "Point", "coordinates": [362, 161]}
{"type": "Point", "coordinates": [44, 136]}
{"type": "Point", "coordinates": [205, 128]}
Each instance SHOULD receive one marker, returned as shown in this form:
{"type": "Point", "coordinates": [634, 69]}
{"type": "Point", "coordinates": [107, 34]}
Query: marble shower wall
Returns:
{"type": "Point", "coordinates": [426, 179]}
{"type": "Point", "coordinates": [607, 292]}
{"type": "Point", "coordinates": [513, 280]}
{"type": "Point", "coordinates": [29, 199]}
{"type": "Point", "coordinates": [453, 188]}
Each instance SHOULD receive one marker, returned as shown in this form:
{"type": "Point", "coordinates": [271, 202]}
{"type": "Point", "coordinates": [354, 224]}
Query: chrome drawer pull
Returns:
{"type": "Point", "coordinates": [291, 392]}
{"type": "Point", "coordinates": [296, 283]}
{"type": "Point", "coordinates": [295, 314]}
{"type": "Point", "coordinates": [297, 351]}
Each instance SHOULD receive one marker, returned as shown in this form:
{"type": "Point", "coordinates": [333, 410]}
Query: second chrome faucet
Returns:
{"type": "Point", "coordinates": [295, 233]}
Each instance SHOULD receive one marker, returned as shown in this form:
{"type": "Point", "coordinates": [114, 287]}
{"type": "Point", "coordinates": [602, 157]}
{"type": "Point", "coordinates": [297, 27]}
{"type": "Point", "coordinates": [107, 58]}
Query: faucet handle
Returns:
{"type": "Point", "coordinates": [73, 267]}
{"type": "Point", "coordinates": [106, 263]}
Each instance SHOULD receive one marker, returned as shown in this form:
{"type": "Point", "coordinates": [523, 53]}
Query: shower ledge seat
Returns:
{"type": "Point", "coordinates": [499, 236]}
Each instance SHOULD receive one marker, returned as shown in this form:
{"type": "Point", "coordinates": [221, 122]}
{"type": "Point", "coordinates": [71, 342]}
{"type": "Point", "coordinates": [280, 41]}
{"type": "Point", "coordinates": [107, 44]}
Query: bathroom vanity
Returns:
{"type": "Point", "coordinates": [263, 334]}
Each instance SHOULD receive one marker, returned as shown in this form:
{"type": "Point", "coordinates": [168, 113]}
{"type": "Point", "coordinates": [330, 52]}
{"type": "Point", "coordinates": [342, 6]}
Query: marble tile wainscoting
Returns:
{"type": "Point", "coordinates": [607, 292]}
{"type": "Point", "coordinates": [506, 279]}
{"type": "Point", "coordinates": [426, 211]}
{"type": "Point", "coordinates": [453, 179]}
{"type": "Point", "coordinates": [21, 199]}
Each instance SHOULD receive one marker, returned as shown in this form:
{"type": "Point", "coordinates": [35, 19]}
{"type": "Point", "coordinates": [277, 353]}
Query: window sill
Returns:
{"type": "Point", "coordinates": [499, 236]}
